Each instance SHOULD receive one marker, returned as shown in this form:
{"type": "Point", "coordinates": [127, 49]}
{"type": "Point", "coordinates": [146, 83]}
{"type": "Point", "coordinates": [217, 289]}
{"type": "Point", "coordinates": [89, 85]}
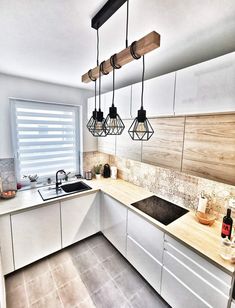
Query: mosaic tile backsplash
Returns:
{"type": "Point", "coordinates": [7, 173]}
{"type": "Point", "coordinates": [177, 187]}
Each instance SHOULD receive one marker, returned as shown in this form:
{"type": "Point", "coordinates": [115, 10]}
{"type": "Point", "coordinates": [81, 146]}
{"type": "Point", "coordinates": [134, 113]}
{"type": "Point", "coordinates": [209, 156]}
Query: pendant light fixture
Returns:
{"type": "Point", "coordinates": [113, 121]}
{"type": "Point", "coordinates": [91, 123]}
{"type": "Point", "coordinates": [141, 128]}
{"type": "Point", "coordinates": [96, 125]}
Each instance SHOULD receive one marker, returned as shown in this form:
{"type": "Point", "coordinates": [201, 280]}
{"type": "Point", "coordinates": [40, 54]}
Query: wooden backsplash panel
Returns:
{"type": "Point", "coordinates": [165, 146]}
{"type": "Point", "coordinates": [209, 147]}
{"type": "Point", "coordinates": [125, 146]}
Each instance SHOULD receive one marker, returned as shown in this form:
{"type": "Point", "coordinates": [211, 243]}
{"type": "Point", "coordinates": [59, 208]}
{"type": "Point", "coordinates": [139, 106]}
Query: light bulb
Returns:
{"type": "Point", "coordinates": [140, 129]}
{"type": "Point", "coordinates": [98, 125]}
{"type": "Point", "coordinates": [113, 123]}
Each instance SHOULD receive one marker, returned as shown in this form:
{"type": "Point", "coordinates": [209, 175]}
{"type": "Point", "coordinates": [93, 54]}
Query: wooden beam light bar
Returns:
{"type": "Point", "coordinates": [146, 44]}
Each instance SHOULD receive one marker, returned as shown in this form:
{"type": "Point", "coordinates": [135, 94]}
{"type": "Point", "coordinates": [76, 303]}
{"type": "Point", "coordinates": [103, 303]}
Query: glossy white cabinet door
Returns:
{"type": "Point", "coordinates": [207, 87]}
{"type": "Point", "coordinates": [158, 96]}
{"type": "Point", "coordinates": [114, 219]}
{"type": "Point", "coordinates": [80, 218]}
{"type": "Point", "coordinates": [2, 285]}
{"type": "Point", "coordinates": [122, 101]}
{"type": "Point", "coordinates": [36, 234]}
{"type": "Point", "coordinates": [205, 280]}
{"type": "Point", "coordinates": [151, 239]}
{"type": "Point", "coordinates": [6, 244]}
{"type": "Point", "coordinates": [178, 295]}
{"type": "Point", "coordinates": [149, 267]}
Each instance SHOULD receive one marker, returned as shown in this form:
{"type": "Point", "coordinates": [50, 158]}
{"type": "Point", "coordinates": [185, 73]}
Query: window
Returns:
{"type": "Point", "coordinates": [45, 137]}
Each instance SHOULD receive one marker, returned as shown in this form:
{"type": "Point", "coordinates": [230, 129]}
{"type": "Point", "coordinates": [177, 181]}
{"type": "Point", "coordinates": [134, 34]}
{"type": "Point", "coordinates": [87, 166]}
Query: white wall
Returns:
{"type": "Point", "coordinates": [11, 86]}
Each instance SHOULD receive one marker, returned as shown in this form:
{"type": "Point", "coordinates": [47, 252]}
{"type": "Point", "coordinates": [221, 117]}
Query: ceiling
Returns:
{"type": "Point", "coordinates": [53, 40]}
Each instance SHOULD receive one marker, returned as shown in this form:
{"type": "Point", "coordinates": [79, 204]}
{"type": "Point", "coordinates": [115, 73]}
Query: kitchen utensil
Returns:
{"type": "Point", "coordinates": [88, 175]}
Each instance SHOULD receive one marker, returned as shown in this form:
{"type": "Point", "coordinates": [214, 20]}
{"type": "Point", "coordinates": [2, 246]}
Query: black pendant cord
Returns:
{"type": "Point", "coordinates": [114, 66]}
{"type": "Point", "coordinates": [127, 22]}
{"type": "Point", "coordinates": [97, 60]}
{"type": "Point", "coordinates": [142, 92]}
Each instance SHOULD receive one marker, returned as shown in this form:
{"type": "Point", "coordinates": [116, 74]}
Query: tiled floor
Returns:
{"type": "Point", "coordinates": [89, 274]}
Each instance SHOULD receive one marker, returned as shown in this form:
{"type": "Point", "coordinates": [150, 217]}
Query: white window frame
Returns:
{"type": "Point", "coordinates": [78, 131]}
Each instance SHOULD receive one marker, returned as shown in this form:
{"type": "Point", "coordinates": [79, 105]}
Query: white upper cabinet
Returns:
{"type": "Point", "coordinates": [207, 87]}
{"type": "Point", "coordinates": [158, 96]}
{"type": "Point", "coordinates": [122, 100]}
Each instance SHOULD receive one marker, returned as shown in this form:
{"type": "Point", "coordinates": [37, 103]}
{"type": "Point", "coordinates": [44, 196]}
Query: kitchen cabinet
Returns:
{"type": "Point", "coordinates": [2, 285]}
{"type": "Point", "coordinates": [122, 101]}
{"type": "Point", "coordinates": [36, 234]}
{"type": "Point", "coordinates": [158, 96]}
{"type": "Point", "coordinates": [125, 146]}
{"type": "Point", "coordinates": [107, 145]}
{"type": "Point", "coordinates": [145, 249]}
{"type": "Point", "coordinates": [207, 87]}
{"type": "Point", "coordinates": [196, 282]}
{"type": "Point", "coordinates": [80, 218]}
{"type": "Point", "coordinates": [6, 244]}
{"type": "Point", "coordinates": [209, 147]}
{"type": "Point", "coordinates": [166, 145]}
{"type": "Point", "coordinates": [113, 222]}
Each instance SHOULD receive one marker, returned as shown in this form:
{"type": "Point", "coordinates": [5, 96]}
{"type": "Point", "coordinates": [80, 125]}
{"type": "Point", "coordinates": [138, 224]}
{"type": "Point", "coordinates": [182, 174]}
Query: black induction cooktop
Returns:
{"type": "Point", "coordinates": [160, 209]}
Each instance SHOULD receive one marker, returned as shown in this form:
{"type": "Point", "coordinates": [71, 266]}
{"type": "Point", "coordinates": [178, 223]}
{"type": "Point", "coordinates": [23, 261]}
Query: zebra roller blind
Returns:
{"type": "Point", "coordinates": [46, 138]}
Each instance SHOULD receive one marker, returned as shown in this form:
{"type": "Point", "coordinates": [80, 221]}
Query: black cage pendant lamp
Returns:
{"type": "Point", "coordinates": [141, 128]}
{"type": "Point", "coordinates": [96, 125]}
{"type": "Point", "coordinates": [113, 121]}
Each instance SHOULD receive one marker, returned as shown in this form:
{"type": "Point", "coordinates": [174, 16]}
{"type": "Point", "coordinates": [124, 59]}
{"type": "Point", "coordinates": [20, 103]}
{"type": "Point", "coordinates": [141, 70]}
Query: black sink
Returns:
{"type": "Point", "coordinates": [160, 209]}
{"type": "Point", "coordinates": [75, 187]}
{"type": "Point", "coordinates": [48, 193]}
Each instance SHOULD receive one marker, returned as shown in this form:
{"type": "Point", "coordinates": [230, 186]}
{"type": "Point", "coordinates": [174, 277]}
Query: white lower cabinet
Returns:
{"type": "Point", "coordinates": [6, 244]}
{"type": "Point", "coordinates": [187, 278]}
{"type": "Point", "coordinates": [113, 222]}
{"type": "Point", "coordinates": [2, 285]}
{"type": "Point", "coordinates": [149, 267]}
{"type": "Point", "coordinates": [80, 217]}
{"type": "Point", "coordinates": [36, 234]}
{"type": "Point", "coordinates": [145, 249]}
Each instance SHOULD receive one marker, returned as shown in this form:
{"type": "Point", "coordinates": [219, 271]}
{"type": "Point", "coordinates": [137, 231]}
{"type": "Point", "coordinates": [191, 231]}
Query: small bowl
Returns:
{"type": "Point", "coordinates": [205, 219]}
{"type": "Point", "coordinates": [8, 194]}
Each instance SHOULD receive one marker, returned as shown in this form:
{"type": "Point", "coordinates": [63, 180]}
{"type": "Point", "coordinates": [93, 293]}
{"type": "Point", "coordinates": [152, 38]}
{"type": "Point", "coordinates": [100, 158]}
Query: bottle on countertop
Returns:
{"type": "Point", "coordinates": [227, 225]}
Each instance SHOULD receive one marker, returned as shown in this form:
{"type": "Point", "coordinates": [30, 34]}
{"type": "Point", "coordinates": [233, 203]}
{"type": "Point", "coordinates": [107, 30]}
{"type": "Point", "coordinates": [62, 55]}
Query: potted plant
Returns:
{"type": "Point", "coordinates": [97, 170]}
{"type": "Point", "coordinates": [32, 179]}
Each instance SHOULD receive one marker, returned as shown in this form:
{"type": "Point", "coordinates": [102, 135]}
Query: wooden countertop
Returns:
{"type": "Point", "coordinates": [204, 240]}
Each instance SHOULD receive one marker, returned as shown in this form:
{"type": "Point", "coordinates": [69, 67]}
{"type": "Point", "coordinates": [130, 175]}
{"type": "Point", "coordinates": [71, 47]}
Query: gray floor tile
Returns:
{"type": "Point", "coordinates": [130, 282]}
{"type": "Point", "coordinates": [109, 296]}
{"type": "Point", "coordinates": [85, 261]}
{"type": "Point", "coordinates": [14, 280]}
{"type": "Point", "coordinates": [77, 249]}
{"type": "Point", "coordinates": [73, 293]}
{"type": "Point", "coordinates": [115, 264]}
{"type": "Point", "coordinates": [95, 278]}
{"type": "Point", "coordinates": [17, 298]}
{"type": "Point", "coordinates": [104, 251]}
{"type": "Point", "coordinates": [51, 300]}
{"type": "Point", "coordinates": [39, 287]}
{"type": "Point", "coordinates": [148, 298]}
{"type": "Point", "coordinates": [90, 274]}
{"type": "Point", "coordinates": [96, 240]}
